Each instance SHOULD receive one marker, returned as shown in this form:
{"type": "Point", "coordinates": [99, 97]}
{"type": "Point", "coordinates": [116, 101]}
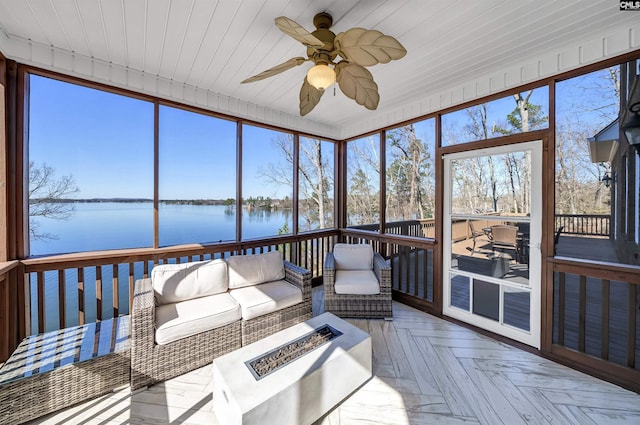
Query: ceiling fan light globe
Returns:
{"type": "Point", "coordinates": [321, 76]}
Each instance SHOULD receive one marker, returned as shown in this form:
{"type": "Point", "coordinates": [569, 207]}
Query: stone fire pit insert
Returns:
{"type": "Point", "coordinates": [303, 389]}
{"type": "Point", "coordinates": [279, 357]}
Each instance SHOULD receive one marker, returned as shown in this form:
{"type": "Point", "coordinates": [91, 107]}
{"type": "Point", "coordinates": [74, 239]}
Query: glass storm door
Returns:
{"type": "Point", "coordinates": [492, 233]}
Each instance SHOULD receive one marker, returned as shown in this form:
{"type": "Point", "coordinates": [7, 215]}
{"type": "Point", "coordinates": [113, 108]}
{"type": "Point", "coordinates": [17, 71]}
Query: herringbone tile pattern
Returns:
{"type": "Point", "coordinates": [426, 371]}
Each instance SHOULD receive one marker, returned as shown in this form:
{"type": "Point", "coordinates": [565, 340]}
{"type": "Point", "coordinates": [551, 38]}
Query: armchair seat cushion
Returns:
{"type": "Point", "coordinates": [266, 298]}
{"type": "Point", "coordinates": [356, 282]}
{"type": "Point", "coordinates": [187, 318]}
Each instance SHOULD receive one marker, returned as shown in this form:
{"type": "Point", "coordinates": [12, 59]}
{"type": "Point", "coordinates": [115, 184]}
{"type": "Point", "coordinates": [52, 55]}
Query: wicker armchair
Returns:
{"type": "Point", "coordinates": [376, 305]}
{"type": "Point", "coordinates": [151, 362]}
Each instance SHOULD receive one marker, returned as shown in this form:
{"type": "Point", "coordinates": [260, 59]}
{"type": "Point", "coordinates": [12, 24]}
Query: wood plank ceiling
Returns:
{"type": "Point", "coordinates": [457, 51]}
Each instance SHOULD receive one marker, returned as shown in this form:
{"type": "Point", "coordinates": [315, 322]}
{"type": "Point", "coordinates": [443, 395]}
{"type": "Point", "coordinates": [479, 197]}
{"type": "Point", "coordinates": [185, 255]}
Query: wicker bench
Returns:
{"type": "Point", "coordinates": [58, 369]}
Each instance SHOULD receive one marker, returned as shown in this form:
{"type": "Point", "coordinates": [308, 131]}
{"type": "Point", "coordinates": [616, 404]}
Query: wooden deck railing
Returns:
{"type": "Point", "coordinates": [412, 265]}
{"type": "Point", "coordinates": [74, 289]}
{"type": "Point", "coordinates": [8, 329]}
{"type": "Point", "coordinates": [584, 224]}
{"type": "Point", "coordinates": [103, 281]}
{"type": "Point", "coordinates": [596, 315]}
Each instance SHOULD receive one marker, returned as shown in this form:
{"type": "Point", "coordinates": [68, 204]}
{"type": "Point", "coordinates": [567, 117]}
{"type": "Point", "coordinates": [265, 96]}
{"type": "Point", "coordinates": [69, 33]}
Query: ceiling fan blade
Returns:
{"type": "Point", "coordinates": [276, 69]}
{"type": "Point", "coordinates": [295, 30]}
{"type": "Point", "coordinates": [357, 83]}
{"type": "Point", "coordinates": [309, 97]}
{"type": "Point", "coordinates": [368, 47]}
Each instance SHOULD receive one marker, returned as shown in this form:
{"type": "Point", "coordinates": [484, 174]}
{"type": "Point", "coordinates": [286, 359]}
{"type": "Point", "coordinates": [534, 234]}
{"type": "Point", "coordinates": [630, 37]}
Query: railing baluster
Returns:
{"type": "Point", "coordinates": [582, 322]}
{"type": "Point", "coordinates": [41, 297]}
{"type": "Point", "coordinates": [403, 268]}
{"type": "Point", "coordinates": [131, 285]}
{"type": "Point", "coordinates": [416, 277]}
{"type": "Point", "coordinates": [115, 281]}
{"type": "Point", "coordinates": [561, 307]}
{"type": "Point", "coordinates": [61, 299]}
{"type": "Point", "coordinates": [81, 312]}
{"type": "Point", "coordinates": [426, 280]}
{"type": "Point", "coordinates": [631, 331]}
{"type": "Point", "coordinates": [604, 325]}
{"type": "Point", "coordinates": [98, 293]}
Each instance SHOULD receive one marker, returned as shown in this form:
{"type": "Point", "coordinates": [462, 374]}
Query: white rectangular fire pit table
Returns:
{"type": "Point", "coordinates": [302, 390]}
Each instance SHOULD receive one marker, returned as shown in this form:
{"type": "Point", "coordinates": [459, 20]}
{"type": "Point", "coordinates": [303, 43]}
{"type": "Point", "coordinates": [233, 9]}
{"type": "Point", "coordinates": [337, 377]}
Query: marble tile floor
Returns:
{"type": "Point", "coordinates": [426, 371]}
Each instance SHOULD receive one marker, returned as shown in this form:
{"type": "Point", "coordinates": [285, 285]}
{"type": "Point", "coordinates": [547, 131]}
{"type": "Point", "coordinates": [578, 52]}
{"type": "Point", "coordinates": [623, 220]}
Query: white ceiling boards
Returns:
{"type": "Point", "coordinates": [197, 52]}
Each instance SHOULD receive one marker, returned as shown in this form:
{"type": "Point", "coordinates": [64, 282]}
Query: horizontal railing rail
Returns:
{"type": "Point", "coordinates": [584, 224]}
{"type": "Point", "coordinates": [595, 316]}
{"type": "Point", "coordinates": [422, 228]}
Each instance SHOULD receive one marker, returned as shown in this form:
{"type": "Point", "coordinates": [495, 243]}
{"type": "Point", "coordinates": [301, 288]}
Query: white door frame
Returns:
{"type": "Point", "coordinates": [532, 337]}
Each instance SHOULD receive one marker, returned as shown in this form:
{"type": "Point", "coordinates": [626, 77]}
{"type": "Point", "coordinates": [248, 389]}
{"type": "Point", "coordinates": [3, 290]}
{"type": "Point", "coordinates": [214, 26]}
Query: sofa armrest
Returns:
{"type": "Point", "coordinates": [143, 314]}
{"type": "Point", "coordinates": [300, 277]}
{"type": "Point", "coordinates": [329, 273]}
{"type": "Point", "coordinates": [382, 271]}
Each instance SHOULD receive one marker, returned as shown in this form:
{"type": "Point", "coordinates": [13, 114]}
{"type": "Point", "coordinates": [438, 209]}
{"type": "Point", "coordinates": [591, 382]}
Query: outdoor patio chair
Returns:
{"type": "Point", "coordinates": [357, 282]}
{"type": "Point", "coordinates": [556, 239]}
{"type": "Point", "coordinates": [477, 234]}
{"type": "Point", "coordinates": [504, 236]}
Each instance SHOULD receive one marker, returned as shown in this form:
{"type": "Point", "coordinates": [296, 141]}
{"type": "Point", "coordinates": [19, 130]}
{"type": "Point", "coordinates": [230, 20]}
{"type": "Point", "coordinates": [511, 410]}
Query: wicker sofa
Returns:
{"type": "Point", "coordinates": [357, 282]}
{"type": "Point", "coordinates": [185, 315]}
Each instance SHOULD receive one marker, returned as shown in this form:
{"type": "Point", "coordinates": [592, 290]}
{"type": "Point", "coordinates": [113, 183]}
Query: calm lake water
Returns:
{"type": "Point", "coordinates": [115, 225]}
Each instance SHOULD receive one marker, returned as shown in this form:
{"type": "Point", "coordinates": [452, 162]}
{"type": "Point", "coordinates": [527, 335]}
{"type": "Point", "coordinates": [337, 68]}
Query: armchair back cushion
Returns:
{"type": "Point", "coordinates": [353, 256]}
{"type": "Point", "coordinates": [181, 282]}
{"type": "Point", "coordinates": [249, 270]}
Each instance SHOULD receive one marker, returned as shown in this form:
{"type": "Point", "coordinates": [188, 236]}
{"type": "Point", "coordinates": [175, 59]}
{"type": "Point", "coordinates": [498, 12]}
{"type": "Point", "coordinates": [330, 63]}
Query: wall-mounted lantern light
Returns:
{"type": "Point", "coordinates": [607, 179]}
{"type": "Point", "coordinates": [632, 127]}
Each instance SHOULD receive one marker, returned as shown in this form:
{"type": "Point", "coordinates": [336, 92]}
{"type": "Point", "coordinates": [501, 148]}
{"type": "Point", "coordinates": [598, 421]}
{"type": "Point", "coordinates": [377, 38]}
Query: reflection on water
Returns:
{"type": "Point", "coordinates": [117, 225]}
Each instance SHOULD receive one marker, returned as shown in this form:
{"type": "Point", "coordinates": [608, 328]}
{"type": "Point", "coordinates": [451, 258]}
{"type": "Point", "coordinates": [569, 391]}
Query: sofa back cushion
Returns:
{"type": "Point", "coordinates": [180, 282]}
{"type": "Point", "coordinates": [353, 256]}
{"type": "Point", "coordinates": [248, 270]}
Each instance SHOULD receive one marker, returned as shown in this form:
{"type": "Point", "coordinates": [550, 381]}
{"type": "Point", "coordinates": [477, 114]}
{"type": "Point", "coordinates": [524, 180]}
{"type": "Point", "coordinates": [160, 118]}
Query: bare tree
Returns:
{"type": "Point", "coordinates": [408, 173]}
{"type": "Point", "coordinates": [480, 130]}
{"type": "Point", "coordinates": [363, 181]}
{"type": "Point", "coordinates": [47, 196]}
{"type": "Point", "coordinates": [315, 174]}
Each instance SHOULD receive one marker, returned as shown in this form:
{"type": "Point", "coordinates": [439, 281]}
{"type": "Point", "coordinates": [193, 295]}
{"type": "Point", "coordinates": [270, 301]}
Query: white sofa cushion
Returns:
{"type": "Point", "coordinates": [356, 282]}
{"type": "Point", "coordinates": [180, 282]}
{"type": "Point", "coordinates": [353, 256]}
{"type": "Point", "coordinates": [266, 298]}
{"type": "Point", "coordinates": [248, 270]}
{"type": "Point", "coordinates": [187, 318]}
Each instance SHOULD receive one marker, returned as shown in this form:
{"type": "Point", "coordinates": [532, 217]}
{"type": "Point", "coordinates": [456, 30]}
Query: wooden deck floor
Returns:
{"type": "Point", "coordinates": [426, 371]}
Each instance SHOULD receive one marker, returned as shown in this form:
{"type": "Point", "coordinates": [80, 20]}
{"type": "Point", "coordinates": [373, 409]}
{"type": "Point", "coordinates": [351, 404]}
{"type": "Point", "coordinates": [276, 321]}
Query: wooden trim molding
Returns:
{"type": "Point", "coordinates": [4, 162]}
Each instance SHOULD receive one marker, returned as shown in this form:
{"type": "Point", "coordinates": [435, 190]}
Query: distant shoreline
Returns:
{"type": "Point", "coordinates": [133, 201]}
{"type": "Point", "coordinates": [223, 202]}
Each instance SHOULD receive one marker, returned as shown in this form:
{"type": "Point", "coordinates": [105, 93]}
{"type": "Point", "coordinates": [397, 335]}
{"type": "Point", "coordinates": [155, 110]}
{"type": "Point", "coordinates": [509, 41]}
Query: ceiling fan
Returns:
{"type": "Point", "coordinates": [356, 47]}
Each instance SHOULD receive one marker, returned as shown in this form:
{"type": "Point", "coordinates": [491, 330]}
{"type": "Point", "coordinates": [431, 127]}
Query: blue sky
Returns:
{"type": "Point", "coordinates": [105, 141]}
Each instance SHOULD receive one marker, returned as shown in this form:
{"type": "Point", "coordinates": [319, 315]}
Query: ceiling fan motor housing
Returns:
{"type": "Point", "coordinates": [326, 54]}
